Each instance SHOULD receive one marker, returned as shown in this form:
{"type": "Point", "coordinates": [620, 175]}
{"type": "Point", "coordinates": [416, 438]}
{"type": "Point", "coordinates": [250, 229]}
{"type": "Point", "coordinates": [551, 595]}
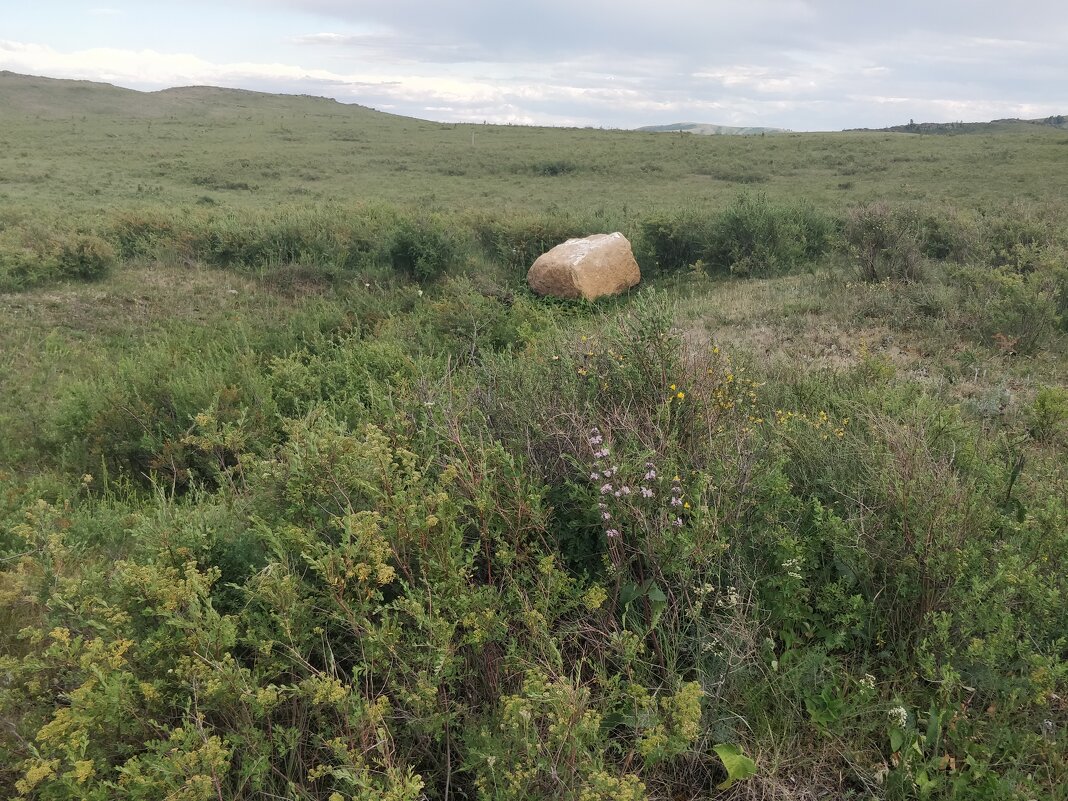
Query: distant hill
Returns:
{"type": "Point", "coordinates": [955, 128]}
{"type": "Point", "coordinates": [709, 130]}
{"type": "Point", "coordinates": [55, 97]}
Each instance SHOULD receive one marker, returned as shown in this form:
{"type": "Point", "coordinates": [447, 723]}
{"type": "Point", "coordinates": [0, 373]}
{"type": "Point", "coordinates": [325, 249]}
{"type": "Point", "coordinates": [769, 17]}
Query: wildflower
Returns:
{"type": "Point", "coordinates": [606, 488]}
{"type": "Point", "coordinates": [617, 493]}
{"type": "Point", "coordinates": [647, 493]}
{"type": "Point", "coordinates": [868, 681]}
{"type": "Point", "coordinates": [680, 395]}
{"type": "Point", "coordinates": [595, 476]}
{"type": "Point", "coordinates": [676, 501]}
{"type": "Point", "coordinates": [899, 716]}
{"type": "Point", "coordinates": [731, 599]}
{"type": "Point", "coordinates": [650, 475]}
{"type": "Point", "coordinates": [596, 439]}
{"type": "Point", "coordinates": [606, 516]}
{"type": "Point", "coordinates": [601, 453]}
{"type": "Point", "coordinates": [612, 532]}
{"type": "Point", "coordinates": [595, 431]}
{"type": "Point", "coordinates": [673, 387]}
{"type": "Point", "coordinates": [583, 371]}
{"type": "Point", "coordinates": [686, 506]}
{"type": "Point", "coordinates": [677, 523]}
{"type": "Point", "coordinates": [625, 489]}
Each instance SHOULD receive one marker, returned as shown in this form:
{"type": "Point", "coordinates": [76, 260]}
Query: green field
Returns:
{"type": "Point", "coordinates": [302, 491]}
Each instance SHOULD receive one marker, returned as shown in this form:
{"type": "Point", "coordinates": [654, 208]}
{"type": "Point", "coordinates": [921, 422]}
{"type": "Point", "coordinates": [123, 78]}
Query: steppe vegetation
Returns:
{"type": "Point", "coordinates": [304, 495]}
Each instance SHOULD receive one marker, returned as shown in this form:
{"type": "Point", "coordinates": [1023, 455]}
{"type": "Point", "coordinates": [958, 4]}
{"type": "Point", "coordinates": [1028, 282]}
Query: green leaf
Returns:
{"type": "Point", "coordinates": [657, 604]}
{"type": "Point", "coordinates": [897, 739]}
{"type": "Point", "coordinates": [934, 730]}
{"type": "Point", "coordinates": [738, 765]}
{"type": "Point", "coordinates": [628, 592]}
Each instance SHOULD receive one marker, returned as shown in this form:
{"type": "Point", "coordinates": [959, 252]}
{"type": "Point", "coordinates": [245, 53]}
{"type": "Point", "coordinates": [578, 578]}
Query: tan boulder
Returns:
{"type": "Point", "coordinates": [601, 264]}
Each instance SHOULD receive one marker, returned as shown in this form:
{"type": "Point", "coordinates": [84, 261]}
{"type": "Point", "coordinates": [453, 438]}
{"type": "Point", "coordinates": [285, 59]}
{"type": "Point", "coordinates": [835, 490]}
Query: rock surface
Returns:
{"type": "Point", "coordinates": [601, 264]}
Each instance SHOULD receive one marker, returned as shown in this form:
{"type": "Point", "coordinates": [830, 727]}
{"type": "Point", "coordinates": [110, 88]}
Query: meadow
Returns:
{"type": "Point", "coordinates": [304, 495]}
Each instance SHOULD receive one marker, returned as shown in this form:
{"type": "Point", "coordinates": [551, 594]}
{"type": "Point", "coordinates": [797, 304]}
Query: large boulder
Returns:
{"type": "Point", "coordinates": [601, 264]}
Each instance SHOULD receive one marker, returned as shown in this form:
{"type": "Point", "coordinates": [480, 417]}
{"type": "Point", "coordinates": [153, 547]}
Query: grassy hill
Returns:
{"type": "Point", "coordinates": [304, 494]}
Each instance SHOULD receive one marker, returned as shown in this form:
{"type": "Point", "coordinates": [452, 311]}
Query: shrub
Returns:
{"type": "Point", "coordinates": [885, 243]}
{"type": "Point", "coordinates": [423, 248]}
{"type": "Point", "coordinates": [1018, 313]}
{"type": "Point", "coordinates": [137, 419]}
{"type": "Point", "coordinates": [1047, 418]}
{"type": "Point", "coordinates": [517, 240]}
{"type": "Point", "coordinates": [672, 242]}
{"type": "Point", "coordinates": [752, 236]}
{"type": "Point", "coordinates": [84, 256]}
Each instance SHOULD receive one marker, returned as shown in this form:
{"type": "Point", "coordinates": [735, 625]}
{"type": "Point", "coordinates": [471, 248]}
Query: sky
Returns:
{"type": "Point", "coordinates": [806, 65]}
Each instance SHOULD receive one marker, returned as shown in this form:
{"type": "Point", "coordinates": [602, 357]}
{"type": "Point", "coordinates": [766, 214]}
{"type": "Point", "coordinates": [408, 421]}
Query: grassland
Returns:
{"type": "Point", "coordinates": [85, 149]}
{"type": "Point", "coordinates": [295, 474]}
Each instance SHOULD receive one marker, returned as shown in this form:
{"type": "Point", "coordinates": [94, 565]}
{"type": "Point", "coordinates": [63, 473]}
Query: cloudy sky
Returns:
{"type": "Point", "coordinates": [799, 64]}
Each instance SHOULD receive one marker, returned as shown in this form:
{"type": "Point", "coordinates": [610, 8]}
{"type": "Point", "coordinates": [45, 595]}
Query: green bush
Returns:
{"type": "Point", "coordinates": [752, 236]}
{"type": "Point", "coordinates": [672, 242]}
{"type": "Point", "coordinates": [517, 240]}
{"type": "Point", "coordinates": [139, 420]}
{"type": "Point", "coordinates": [423, 248]}
{"type": "Point", "coordinates": [84, 256]}
{"type": "Point", "coordinates": [1047, 418]}
{"type": "Point", "coordinates": [1018, 313]}
{"type": "Point", "coordinates": [885, 243]}
{"type": "Point", "coordinates": [35, 255]}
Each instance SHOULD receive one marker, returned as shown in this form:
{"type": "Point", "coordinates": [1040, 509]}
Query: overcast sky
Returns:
{"type": "Point", "coordinates": [798, 64]}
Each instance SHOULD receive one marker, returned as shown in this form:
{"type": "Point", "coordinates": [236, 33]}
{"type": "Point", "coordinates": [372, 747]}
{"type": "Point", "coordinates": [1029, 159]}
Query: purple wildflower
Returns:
{"type": "Point", "coordinates": [676, 501]}
{"type": "Point", "coordinates": [647, 493]}
{"type": "Point", "coordinates": [625, 489]}
{"type": "Point", "coordinates": [612, 532]}
{"type": "Point", "coordinates": [606, 516]}
{"type": "Point", "coordinates": [606, 488]}
{"type": "Point", "coordinates": [678, 522]}
{"type": "Point", "coordinates": [651, 475]}
{"type": "Point", "coordinates": [596, 439]}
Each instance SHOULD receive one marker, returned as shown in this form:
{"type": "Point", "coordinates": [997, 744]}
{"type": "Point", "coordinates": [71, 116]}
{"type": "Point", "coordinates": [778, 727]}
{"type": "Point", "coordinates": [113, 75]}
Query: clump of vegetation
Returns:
{"type": "Point", "coordinates": [885, 243]}
{"type": "Point", "coordinates": [750, 237]}
{"type": "Point", "coordinates": [36, 255]}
